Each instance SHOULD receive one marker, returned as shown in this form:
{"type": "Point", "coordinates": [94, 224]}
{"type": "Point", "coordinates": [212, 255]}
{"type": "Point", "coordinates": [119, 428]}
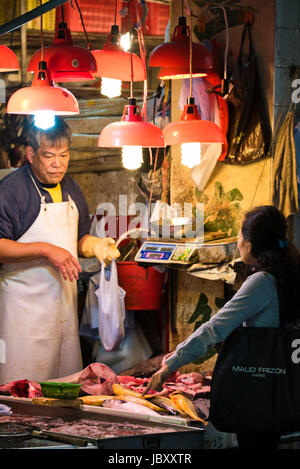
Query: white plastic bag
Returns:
{"type": "Point", "coordinates": [201, 173]}
{"type": "Point", "coordinates": [111, 309]}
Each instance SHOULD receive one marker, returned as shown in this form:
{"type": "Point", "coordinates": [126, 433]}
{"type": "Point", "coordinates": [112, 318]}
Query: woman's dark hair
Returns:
{"type": "Point", "coordinates": [266, 228]}
{"type": "Point", "coordinates": [59, 132]}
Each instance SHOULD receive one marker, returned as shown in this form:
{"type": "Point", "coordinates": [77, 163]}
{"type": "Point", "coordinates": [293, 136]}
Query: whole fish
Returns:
{"type": "Point", "coordinates": [167, 404]}
{"type": "Point", "coordinates": [140, 401]}
{"type": "Point", "coordinates": [122, 391]}
{"type": "Point", "coordinates": [95, 400]}
{"type": "Point", "coordinates": [186, 406]}
{"type": "Point", "coordinates": [119, 404]}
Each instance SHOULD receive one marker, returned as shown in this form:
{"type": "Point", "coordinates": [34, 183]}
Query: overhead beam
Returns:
{"type": "Point", "coordinates": [30, 15]}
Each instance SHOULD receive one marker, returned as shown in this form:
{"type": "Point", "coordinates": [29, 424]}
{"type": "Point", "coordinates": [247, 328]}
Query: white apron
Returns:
{"type": "Point", "coordinates": [38, 308]}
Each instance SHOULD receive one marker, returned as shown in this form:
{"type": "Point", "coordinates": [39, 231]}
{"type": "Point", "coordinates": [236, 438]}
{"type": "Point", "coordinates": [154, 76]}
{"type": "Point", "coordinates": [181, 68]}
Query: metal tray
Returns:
{"type": "Point", "coordinates": [152, 435]}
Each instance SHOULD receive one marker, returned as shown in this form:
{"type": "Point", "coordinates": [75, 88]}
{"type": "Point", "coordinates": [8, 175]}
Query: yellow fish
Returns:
{"type": "Point", "coordinates": [185, 405]}
{"type": "Point", "coordinates": [122, 391]}
{"type": "Point", "coordinates": [144, 402]}
{"type": "Point", "coordinates": [167, 404]}
{"type": "Point", "coordinates": [95, 400]}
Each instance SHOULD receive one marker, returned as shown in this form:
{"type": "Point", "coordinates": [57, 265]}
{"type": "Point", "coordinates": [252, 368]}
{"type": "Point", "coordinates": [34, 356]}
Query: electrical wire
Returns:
{"type": "Point", "coordinates": [115, 12]}
{"type": "Point", "coordinates": [142, 49]}
{"type": "Point", "coordinates": [42, 36]}
{"type": "Point", "coordinates": [83, 25]}
{"type": "Point", "coordinates": [191, 57]}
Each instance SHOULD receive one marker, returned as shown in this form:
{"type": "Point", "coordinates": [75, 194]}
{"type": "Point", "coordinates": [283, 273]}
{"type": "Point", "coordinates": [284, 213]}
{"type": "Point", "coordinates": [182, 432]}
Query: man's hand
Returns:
{"type": "Point", "coordinates": [14, 251]}
{"type": "Point", "coordinates": [63, 260]}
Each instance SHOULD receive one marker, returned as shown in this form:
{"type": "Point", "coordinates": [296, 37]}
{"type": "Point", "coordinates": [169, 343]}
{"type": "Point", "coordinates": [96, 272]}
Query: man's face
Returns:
{"type": "Point", "coordinates": [49, 163]}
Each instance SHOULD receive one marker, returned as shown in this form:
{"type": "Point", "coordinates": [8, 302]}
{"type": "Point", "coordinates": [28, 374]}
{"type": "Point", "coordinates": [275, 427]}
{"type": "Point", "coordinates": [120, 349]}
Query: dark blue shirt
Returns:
{"type": "Point", "coordinates": [20, 203]}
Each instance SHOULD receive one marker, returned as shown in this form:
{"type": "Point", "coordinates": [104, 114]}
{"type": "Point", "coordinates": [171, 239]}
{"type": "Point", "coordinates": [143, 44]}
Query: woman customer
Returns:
{"type": "Point", "coordinates": [274, 282]}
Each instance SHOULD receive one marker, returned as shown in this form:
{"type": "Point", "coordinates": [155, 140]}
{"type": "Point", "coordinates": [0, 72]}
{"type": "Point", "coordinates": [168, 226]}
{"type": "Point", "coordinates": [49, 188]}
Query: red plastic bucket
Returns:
{"type": "Point", "coordinates": [143, 286]}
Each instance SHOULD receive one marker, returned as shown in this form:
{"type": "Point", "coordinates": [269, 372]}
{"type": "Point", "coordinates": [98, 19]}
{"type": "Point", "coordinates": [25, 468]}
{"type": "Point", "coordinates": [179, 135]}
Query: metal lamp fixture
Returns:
{"type": "Point", "coordinates": [114, 65]}
{"type": "Point", "coordinates": [8, 60]}
{"type": "Point", "coordinates": [66, 61]}
{"type": "Point", "coordinates": [43, 100]}
{"type": "Point", "coordinates": [173, 58]}
{"type": "Point", "coordinates": [131, 134]}
{"type": "Point", "coordinates": [190, 132]}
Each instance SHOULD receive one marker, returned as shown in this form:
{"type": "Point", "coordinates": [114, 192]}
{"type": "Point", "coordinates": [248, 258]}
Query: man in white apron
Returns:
{"type": "Point", "coordinates": [44, 224]}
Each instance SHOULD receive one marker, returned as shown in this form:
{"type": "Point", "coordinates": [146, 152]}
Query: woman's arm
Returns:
{"type": "Point", "coordinates": [256, 296]}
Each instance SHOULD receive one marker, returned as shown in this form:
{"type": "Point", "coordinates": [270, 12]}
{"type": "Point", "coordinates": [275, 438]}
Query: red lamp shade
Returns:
{"type": "Point", "coordinates": [42, 95]}
{"type": "Point", "coordinates": [192, 129]}
{"type": "Point", "coordinates": [131, 131]}
{"type": "Point", "coordinates": [113, 62]}
{"type": "Point", "coordinates": [173, 58]}
{"type": "Point", "coordinates": [8, 60]}
{"type": "Point", "coordinates": [66, 62]}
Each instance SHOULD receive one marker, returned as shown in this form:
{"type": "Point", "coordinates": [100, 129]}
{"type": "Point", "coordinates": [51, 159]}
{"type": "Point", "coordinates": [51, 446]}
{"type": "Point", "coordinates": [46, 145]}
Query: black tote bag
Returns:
{"type": "Point", "coordinates": [256, 381]}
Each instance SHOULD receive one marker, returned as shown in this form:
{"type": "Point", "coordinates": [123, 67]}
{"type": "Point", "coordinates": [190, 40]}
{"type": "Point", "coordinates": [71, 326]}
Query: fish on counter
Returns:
{"type": "Point", "coordinates": [100, 400]}
{"type": "Point", "coordinates": [120, 404]}
{"type": "Point", "coordinates": [95, 400]}
{"type": "Point", "coordinates": [186, 406]}
{"type": "Point", "coordinates": [123, 391]}
{"type": "Point", "coordinates": [167, 404]}
{"type": "Point", "coordinates": [101, 384]}
{"type": "Point", "coordinates": [141, 401]}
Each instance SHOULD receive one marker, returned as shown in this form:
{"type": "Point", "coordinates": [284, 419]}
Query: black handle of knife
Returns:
{"type": "Point", "coordinates": [62, 438]}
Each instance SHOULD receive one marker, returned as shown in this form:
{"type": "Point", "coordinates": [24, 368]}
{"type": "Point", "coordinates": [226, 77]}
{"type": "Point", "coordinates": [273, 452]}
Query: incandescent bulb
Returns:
{"type": "Point", "coordinates": [110, 87]}
{"type": "Point", "coordinates": [132, 157]}
{"type": "Point", "coordinates": [191, 154]}
{"type": "Point", "coordinates": [125, 41]}
{"type": "Point", "coordinates": [44, 119]}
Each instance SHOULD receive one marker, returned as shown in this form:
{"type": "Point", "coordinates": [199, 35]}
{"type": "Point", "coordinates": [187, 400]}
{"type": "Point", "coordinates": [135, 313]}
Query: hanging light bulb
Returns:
{"type": "Point", "coordinates": [173, 58]}
{"type": "Point", "coordinates": [132, 156]}
{"type": "Point", "coordinates": [44, 119]}
{"type": "Point", "coordinates": [125, 41]}
{"type": "Point", "coordinates": [131, 134]}
{"type": "Point", "coordinates": [66, 62]}
{"type": "Point", "coordinates": [190, 132]}
{"type": "Point", "coordinates": [190, 154]}
{"type": "Point", "coordinates": [8, 60]}
{"type": "Point", "coordinates": [114, 65]}
{"type": "Point", "coordinates": [42, 99]}
{"type": "Point", "coordinates": [110, 87]}
{"type": "Point", "coordinates": [43, 96]}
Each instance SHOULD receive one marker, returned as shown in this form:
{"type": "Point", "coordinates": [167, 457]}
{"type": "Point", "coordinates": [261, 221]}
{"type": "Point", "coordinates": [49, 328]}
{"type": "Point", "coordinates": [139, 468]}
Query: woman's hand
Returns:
{"type": "Point", "coordinates": [158, 379]}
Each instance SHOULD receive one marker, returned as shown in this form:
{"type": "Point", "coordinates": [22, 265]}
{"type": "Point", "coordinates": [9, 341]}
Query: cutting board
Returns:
{"type": "Point", "coordinates": [51, 402]}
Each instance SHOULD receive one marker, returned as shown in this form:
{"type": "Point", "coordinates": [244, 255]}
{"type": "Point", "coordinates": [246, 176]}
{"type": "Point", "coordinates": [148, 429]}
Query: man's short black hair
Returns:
{"type": "Point", "coordinates": [59, 132]}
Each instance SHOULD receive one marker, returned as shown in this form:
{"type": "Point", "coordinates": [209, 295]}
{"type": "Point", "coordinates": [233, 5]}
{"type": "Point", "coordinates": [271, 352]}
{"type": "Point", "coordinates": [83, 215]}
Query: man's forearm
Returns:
{"type": "Point", "coordinates": [13, 251]}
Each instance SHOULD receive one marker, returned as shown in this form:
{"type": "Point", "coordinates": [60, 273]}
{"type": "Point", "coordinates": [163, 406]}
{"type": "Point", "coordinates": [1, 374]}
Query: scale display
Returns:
{"type": "Point", "coordinates": [156, 252]}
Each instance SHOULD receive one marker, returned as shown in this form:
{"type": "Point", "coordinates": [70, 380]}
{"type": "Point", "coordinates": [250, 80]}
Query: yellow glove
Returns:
{"type": "Point", "coordinates": [103, 248]}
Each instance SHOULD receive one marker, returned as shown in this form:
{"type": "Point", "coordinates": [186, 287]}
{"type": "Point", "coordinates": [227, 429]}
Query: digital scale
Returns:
{"type": "Point", "coordinates": [214, 249]}
{"type": "Point", "coordinates": [160, 252]}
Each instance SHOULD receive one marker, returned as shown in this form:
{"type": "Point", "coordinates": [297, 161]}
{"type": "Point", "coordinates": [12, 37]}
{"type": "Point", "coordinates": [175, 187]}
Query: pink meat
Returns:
{"type": "Point", "coordinates": [96, 379]}
{"type": "Point", "coordinates": [190, 378]}
{"type": "Point", "coordinates": [22, 388]}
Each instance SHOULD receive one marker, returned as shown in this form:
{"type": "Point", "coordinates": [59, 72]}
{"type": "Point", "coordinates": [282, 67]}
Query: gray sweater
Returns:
{"type": "Point", "coordinates": [255, 304]}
